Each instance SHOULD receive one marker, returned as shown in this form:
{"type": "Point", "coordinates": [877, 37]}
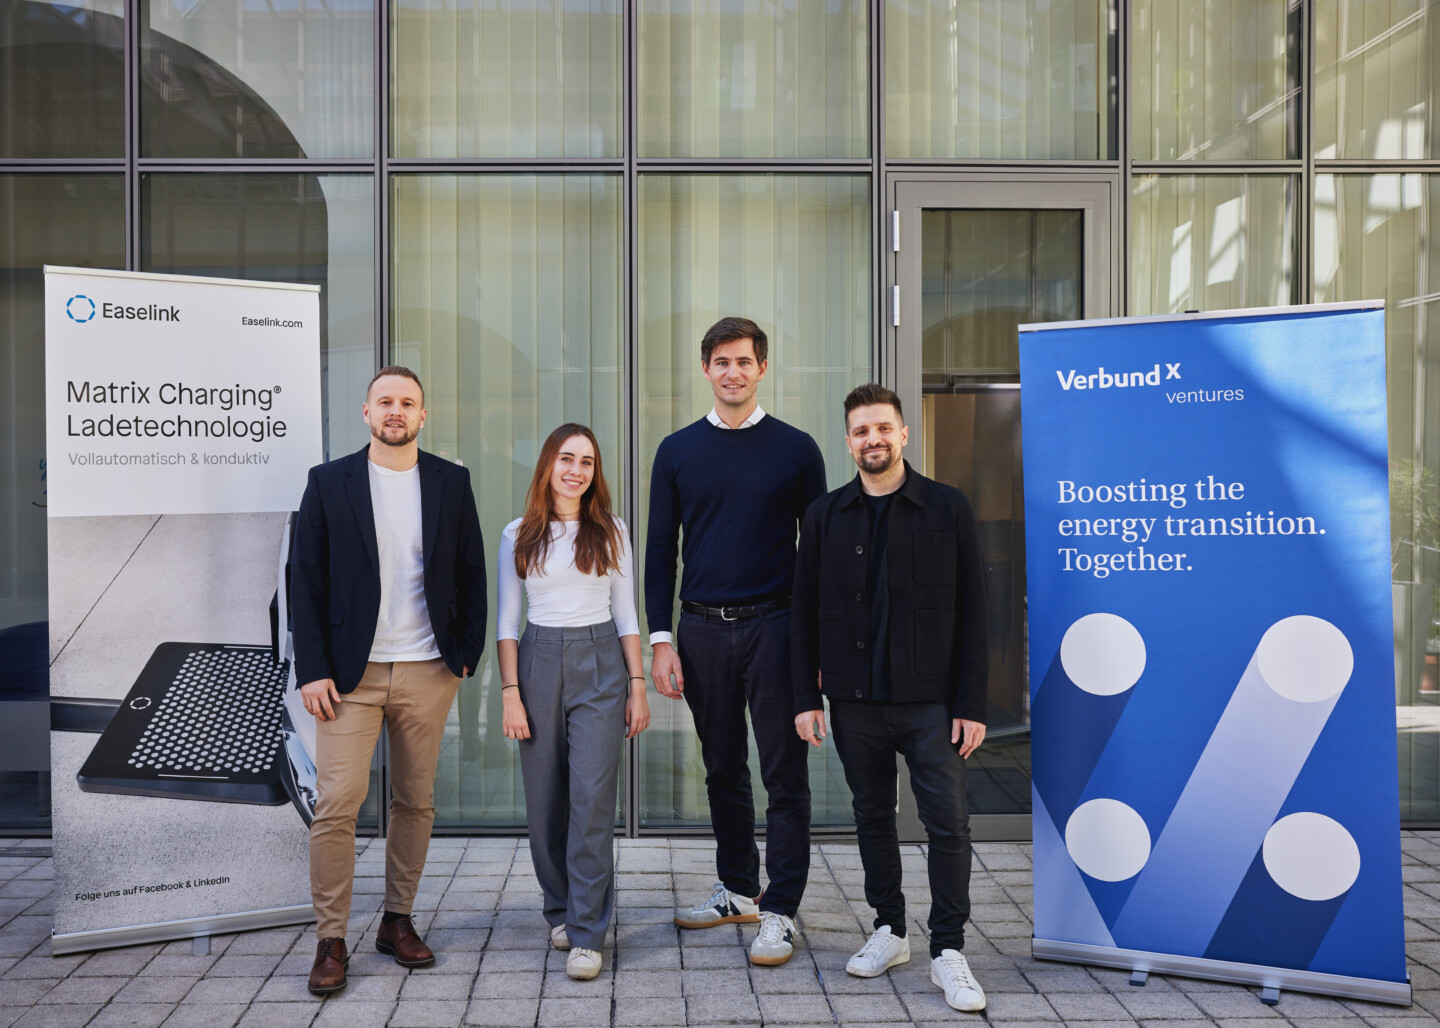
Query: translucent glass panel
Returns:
{"type": "Point", "coordinates": [62, 86]}
{"type": "Point", "coordinates": [1376, 79]}
{"type": "Point", "coordinates": [791, 252]}
{"type": "Point", "coordinates": [235, 78]}
{"type": "Point", "coordinates": [76, 220]}
{"type": "Point", "coordinates": [473, 79]}
{"type": "Point", "coordinates": [1211, 242]}
{"type": "Point", "coordinates": [753, 78]}
{"type": "Point", "coordinates": [506, 299]}
{"type": "Point", "coordinates": [1018, 79]}
{"type": "Point", "coordinates": [282, 228]}
{"type": "Point", "coordinates": [1373, 240]}
{"type": "Point", "coordinates": [1214, 81]}
{"type": "Point", "coordinates": [986, 272]}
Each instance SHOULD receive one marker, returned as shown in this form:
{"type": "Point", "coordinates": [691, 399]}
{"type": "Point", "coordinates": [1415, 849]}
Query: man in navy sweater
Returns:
{"type": "Point", "coordinates": [737, 482]}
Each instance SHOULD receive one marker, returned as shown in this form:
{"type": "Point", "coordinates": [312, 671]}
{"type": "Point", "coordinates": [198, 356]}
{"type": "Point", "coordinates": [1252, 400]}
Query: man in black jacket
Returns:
{"type": "Point", "coordinates": [388, 594]}
{"type": "Point", "coordinates": [888, 620]}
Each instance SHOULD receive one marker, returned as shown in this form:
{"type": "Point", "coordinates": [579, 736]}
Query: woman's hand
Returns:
{"type": "Point", "coordinates": [513, 719]}
{"type": "Point", "coordinates": [637, 711]}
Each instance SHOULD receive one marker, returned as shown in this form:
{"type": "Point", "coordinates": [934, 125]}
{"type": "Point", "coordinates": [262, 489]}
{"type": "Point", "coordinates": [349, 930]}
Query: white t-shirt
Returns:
{"type": "Point", "coordinates": [559, 596]}
{"type": "Point", "coordinates": [402, 631]}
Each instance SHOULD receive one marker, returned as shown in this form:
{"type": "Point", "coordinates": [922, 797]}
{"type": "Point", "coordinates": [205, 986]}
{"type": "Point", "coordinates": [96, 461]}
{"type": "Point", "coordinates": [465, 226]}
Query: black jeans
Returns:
{"type": "Point", "coordinates": [729, 665]}
{"type": "Point", "coordinates": [867, 737]}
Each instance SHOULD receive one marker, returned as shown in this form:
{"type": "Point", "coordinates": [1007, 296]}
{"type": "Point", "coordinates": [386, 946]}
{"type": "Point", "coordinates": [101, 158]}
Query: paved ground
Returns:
{"type": "Point", "coordinates": [479, 905]}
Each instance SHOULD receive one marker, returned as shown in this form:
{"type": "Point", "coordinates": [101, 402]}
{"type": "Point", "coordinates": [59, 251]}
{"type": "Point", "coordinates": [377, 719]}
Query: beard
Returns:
{"type": "Point", "coordinates": [394, 435]}
{"type": "Point", "coordinates": [878, 461]}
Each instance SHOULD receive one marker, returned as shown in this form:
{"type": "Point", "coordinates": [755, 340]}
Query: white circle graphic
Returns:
{"type": "Point", "coordinates": [1311, 856]}
{"type": "Point", "coordinates": [1107, 840]}
{"type": "Point", "coordinates": [1103, 654]}
{"type": "Point", "coordinates": [1305, 659]}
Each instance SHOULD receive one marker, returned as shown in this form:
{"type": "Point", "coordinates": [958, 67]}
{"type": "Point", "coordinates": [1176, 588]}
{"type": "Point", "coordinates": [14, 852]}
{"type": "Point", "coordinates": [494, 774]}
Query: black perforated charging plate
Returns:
{"type": "Point", "coordinates": [201, 722]}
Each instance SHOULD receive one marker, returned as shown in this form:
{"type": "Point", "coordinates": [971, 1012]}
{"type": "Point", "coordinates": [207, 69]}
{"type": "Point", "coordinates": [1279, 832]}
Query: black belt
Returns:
{"type": "Point", "coordinates": [736, 613]}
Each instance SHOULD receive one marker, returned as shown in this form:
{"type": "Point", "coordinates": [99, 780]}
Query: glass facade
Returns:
{"type": "Point", "coordinates": [542, 204]}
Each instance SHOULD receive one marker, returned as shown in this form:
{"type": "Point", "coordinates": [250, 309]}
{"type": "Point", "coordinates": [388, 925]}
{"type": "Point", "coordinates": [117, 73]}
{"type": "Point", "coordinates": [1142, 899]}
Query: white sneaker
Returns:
{"type": "Point", "coordinates": [882, 951]}
{"type": "Point", "coordinates": [558, 938]}
{"type": "Point", "coordinates": [776, 941]}
{"type": "Point", "coordinates": [951, 972]}
{"type": "Point", "coordinates": [582, 964]}
{"type": "Point", "coordinates": [723, 907]}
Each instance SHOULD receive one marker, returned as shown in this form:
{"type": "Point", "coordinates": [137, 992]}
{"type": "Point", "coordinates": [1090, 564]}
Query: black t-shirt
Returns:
{"type": "Point", "coordinates": [877, 588]}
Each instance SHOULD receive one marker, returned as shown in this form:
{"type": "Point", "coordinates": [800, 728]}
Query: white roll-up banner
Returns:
{"type": "Point", "coordinates": [182, 415]}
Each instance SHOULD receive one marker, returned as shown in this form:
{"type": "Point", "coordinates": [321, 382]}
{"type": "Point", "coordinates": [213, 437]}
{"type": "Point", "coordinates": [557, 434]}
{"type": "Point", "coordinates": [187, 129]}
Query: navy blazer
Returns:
{"type": "Point", "coordinates": [335, 569]}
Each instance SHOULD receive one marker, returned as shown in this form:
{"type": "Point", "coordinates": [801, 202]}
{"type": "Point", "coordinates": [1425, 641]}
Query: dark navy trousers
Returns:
{"type": "Point", "coordinates": [729, 666]}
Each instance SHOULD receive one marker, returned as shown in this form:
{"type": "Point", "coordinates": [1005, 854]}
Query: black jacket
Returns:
{"type": "Point", "coordinates": [937, 600]}
{"type": "Point", "coordinates": [335, 569]}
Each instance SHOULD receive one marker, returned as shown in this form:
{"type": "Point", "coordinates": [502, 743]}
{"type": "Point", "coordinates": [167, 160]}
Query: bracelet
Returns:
{"type": "Point", "coordinates": [637, 678]}
{"type": "Point", "coordinates": [512, 685]}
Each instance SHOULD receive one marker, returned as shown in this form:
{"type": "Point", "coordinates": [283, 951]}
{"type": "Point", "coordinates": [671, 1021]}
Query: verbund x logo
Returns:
{"type": "Point", "coordinates": [81, 311]}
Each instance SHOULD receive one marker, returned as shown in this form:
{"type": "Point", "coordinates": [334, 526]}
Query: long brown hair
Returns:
{"type": "Point", "coordinates": [597, 543]}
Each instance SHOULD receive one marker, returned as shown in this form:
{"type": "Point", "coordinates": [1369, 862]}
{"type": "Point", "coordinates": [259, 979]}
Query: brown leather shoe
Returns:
{"type": "Point", "coordinates": [401, 941]}
{"type": "Point", "coordinates": [328, 974]}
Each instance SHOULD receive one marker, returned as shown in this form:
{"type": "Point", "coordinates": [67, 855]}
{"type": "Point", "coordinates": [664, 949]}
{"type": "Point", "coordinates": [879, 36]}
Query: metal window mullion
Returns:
{"type": "Point", "coordinates": [380, 169]}
{"type": "Point", "coordinates": [1120, 290]}
{"type": "Point", "coordinates": [1305, 238]}
{"type": "Point", "coordinates": [132, 13]}
{"type": "Point", "coordinates": [630, 339]}
{"type": "Point", "coordinates": [882, 355]}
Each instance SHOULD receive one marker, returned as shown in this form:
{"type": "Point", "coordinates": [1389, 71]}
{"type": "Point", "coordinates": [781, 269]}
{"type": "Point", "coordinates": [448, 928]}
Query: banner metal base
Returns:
{"type": "Point", "coordinates": [1270, 979]}
{"type": "Point", "coordinates": [189, 928]}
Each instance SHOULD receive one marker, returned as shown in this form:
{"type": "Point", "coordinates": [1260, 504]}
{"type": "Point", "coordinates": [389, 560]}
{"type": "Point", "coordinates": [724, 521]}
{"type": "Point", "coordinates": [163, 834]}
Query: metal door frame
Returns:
{"type": "Point", "coordinates": [1097, 194]}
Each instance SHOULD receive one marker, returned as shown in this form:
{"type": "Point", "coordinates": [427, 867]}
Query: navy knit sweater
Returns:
{"type": "Point", "coordinates": [739, 495]}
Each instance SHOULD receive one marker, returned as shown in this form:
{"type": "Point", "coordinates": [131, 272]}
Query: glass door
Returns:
{"type": "Point", "coordinates": [975, 261]}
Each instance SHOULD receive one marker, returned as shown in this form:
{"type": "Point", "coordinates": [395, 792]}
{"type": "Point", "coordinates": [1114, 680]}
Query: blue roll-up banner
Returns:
{"type": "Point", "coordinates": [1211, 649]}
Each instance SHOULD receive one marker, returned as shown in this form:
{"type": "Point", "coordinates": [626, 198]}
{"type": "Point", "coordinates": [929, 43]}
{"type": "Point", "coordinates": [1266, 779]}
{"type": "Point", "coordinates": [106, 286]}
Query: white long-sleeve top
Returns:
{"type": "Point", "coordinates": [559, 596]}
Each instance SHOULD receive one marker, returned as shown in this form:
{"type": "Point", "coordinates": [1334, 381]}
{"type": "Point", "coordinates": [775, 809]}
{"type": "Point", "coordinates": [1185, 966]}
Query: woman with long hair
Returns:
{"type": "Point", "coordinates": [573, 684]}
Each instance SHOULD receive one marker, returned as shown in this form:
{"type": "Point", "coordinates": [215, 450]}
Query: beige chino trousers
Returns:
{"type": "Point", "coordinates": [411, 698]}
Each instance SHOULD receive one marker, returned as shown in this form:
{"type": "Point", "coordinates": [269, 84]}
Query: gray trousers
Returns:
{"type": "Point", "coordinates": [574, 684]}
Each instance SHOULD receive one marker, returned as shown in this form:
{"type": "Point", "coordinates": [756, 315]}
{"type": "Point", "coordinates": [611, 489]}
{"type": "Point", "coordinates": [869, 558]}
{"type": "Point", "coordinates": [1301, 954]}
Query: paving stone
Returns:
{"type": "Point", "coordinates": [427, 1013]}
{"type": "Point", "coordinates": [58, 1015]}
{"type": "Point", "coordinates": [205, 1015]}
{"type": "Point", "coordinates": [284, 989]}
{"type": "Point", "coordinates": [25, 991]}
{"type": "Point", "coordinates": [132, 1015]}
{"type": "Point", "coordinates": [741, 1009]}
{"type": "Point", "coordinates": [1143, 1005]}
{"type": "Point", "coordinates": [573, 1013]}
{"type": "Point", "coordinates": [270, 1015]}
{"type": "Point", "coordinates": [708, 958]}
{"type": "Point", "coordinates": [659, 984]}
{"type": "Point", "coordinates": [514, 985]}
{"type": "Point", "coordinates": [225, 990]}
{"type": "Point", "coordinates": [721, 980]}
{"type": "Point", "coordinates": [1232, 1003]}
{"type": "Point", "coordinates": [795, 1009]}
{"type": "Point", "coordinates": [350, 1015]}
{"type": "Point", "coordinates": [868, 1009]}
{"type": "Point", "coordinates": [112, 962]}
{"type": "Point", "coordinates": [436, 987]}
{"type": "Point", "coordinates": [83, 990]}
{"type": "Point", "coordinates": [651, 1010]}
{"type": "Point", "coordinates": [1080, 1006]}
{"type": "Point", "coordinates": [511, 1013]}
{"type": "Point", "coordinates": [46, 966]}
{"type": "Point", "coordinates": [796, 977]}
{"type": "Point", "coordinates": [512, 960]}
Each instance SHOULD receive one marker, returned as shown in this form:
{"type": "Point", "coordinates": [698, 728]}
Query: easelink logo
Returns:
{"type": "Point", "coordinates": [80, 308]}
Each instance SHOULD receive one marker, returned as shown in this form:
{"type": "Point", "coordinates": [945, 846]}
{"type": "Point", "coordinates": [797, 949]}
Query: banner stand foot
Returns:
{"type": "Point", "coordinates": [200, 946]}
{"type": "Point", "coordinates": [1138, 977]}
{"type": "Point", "coordinates": [1270, 995]}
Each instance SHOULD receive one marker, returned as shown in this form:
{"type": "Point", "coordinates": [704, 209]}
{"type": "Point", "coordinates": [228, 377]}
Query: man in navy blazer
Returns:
{"type": "Point", "coordinates": [388, 595]}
